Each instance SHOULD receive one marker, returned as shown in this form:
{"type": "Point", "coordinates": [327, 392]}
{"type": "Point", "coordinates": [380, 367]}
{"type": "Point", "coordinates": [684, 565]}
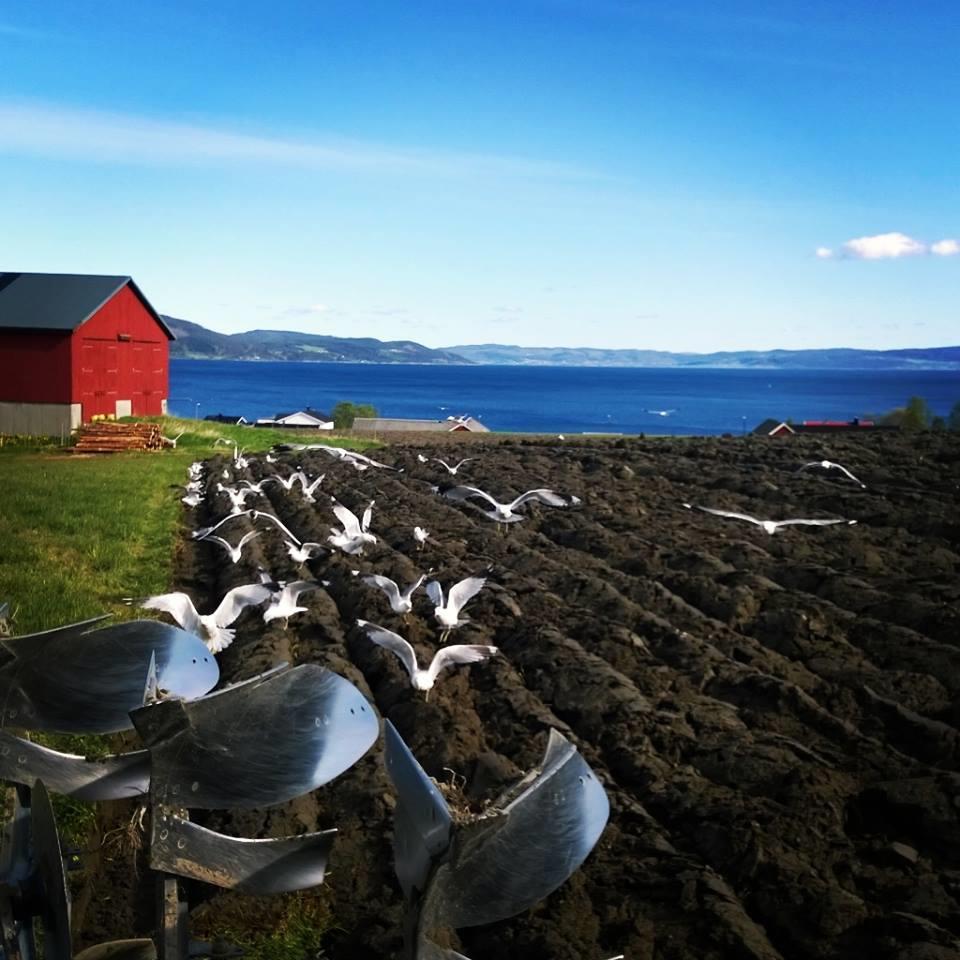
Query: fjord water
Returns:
{"type": "Point", "coordinates": [557, 399]}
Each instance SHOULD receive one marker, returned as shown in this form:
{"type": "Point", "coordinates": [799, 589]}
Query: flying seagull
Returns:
{"type": "Point", "coordinates": [205, 532]}
{"type": "Point", "coordinates": [210, 627]}
{"type": "Point", "coordinates": [447, 613]}
{"type": "Point", "coordinates": [504, 512]}
{"type": "Point", "coordinates": [257, 514]}
{"type": "Point", "coordinates": [399, 602]}
{"type": "Point", "coordinates": [421, 536]}
{"type": "Point", "coordinates": [234, 552]}
{"type": "Point", "coordinates": [453, 470]}
{"type": "Point", "coordinates": [830, 465]}
{"type": "Point", "coordinates": [447, 657]}
{"type": "Point", "coordinates": [305, 552]}
{"type": "Point", "coordinates": [354, 535]}
{"type": "Point", "coordinates": [771, 526]}
{"type": "Point", "coordinates": [285, 605]}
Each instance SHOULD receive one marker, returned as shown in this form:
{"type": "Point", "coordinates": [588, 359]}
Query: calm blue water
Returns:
{"type": "Point", "coordinates": [556, 399]}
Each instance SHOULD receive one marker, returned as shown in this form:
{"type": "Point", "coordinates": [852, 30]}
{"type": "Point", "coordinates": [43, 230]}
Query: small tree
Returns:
{"type": "Point", "coordinates": [345, 412]}
{"type": "Point", "coordinates": [953, 418]}
{"type": "Point", "coordinates": [916, 415]}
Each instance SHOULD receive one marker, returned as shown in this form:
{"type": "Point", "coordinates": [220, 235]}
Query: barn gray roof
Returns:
{"type": "Point", "coordinates": [60, 301]}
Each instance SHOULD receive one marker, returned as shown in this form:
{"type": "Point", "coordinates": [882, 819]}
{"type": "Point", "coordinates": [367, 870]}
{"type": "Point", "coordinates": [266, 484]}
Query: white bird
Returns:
{"type": "Point", "coordinates": [453, 470]}
{"type": "Point", "coordinates": [661, 413]}
{"type": "Point", "coordinates": [770, 526]}
{"type": "Point", "coordinates": [447, 657]}
{"type": "Point", "coordinates": [421, 458]}
{"type": "Point", "coordinates": [258, 486]}
{"type": "Point", "coordinates": [270, 459]}
{"type": "Point", "coordinates": [257, 514]}
{"type": "Point", "coordinates": [447, 613]}
{"type": "Point", "coordinates": [210, 627]}
{"type": "Point", "coordinates": [421, 536]}
{"type": "Point", "coordinates": [172, 441]}
{"type": "Point", "coordinates": [399, 602]}
{"type": "Point", "coordinates": [237, 497]}
{"type": "Point", "coordinates": [354, 535]}
{"type": "Point", "coordinates": [234, 552]}
{"type": "Point", "coordinates": [195, 470]}
{"type": "Point", "coordinates": [285, 605]}
{"type": "Point", "coordinates": [305, 552]}
{"type": "Point", "coordinates": [288, 482]}
{"type": "Point", "coordinates": [504, 512]}
{"type": "Point", "coordinates": [193, 499]}
{"type": "Point", "coordinates": [308, 488]}
{"type": "Point", "coordinates": [830, 465]}
{"type": "Point", "coordinates": [205, 532]}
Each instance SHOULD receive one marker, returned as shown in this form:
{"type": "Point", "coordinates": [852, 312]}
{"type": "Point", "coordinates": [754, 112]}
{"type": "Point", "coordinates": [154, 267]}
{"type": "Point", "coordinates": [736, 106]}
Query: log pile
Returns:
{"type": "Point", "coordinates": [106, 437]}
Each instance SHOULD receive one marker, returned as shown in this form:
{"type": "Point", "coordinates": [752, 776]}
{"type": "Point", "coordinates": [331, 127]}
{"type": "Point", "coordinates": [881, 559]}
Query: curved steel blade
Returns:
{"type": "Point", "coordinates": [119, 950]}
{"type": "Point", "coordinates": [88, 682]}
{"type": "Point", "coordinates": [257, 743]}
{"type": "Point", "coordinates": [421, 829]}
{"type": "Point", "coordinates": [48, 865]}
{"type": "Point", "coordinates": [112, 778]}
{"type": "Point", "coordinates": [251, 866]}
{"type": "Point", "coordinates": [550, 822]}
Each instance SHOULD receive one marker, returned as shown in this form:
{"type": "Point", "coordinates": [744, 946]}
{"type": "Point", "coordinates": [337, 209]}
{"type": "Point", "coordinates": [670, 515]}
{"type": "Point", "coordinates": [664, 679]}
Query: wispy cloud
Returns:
{"type": "Point", "coordinates": [888, 246]}
{"type": "Point", "coordinates": [51, 130]}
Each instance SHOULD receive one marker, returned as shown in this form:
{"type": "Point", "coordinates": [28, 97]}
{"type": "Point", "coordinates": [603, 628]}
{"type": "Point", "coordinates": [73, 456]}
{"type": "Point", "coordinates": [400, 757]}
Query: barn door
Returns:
{"type": "Point", "coordinates": [98, 377]}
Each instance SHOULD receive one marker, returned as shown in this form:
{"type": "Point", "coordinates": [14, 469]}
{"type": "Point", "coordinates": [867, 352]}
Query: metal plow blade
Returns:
{"type": "Point", "coordinates": [498, 865]}
{"type": "Point", "coordinates": [260, 742]}
{"type": "Point", "coordinates": [112, 778]}
{"type": "Point", "coordinates": [54, 909]}
{"type": "Point", "coordinates": [119, 950]}
{"type": "Point", "coordinates": [250, 866]}
{"type": "Point", "coordinates": [80, 681]}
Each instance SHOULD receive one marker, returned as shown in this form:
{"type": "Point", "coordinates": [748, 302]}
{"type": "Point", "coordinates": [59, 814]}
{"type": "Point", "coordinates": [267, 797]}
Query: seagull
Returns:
{"type": "Point", "coordinates": [237, 497]}
{"type": "Point", "coordinates": [447, 657]}
{"type": "Point", "coordinates": [285, 605]}
{"type": "Point", "coordinates": [236, 551]}
{"type": "Point", "coordinates": [448, 614]}
{"type": "Point", "coordinates": [172, 441]}
{"type": "Point", "coordinates": [193, 499]}
{"type": "Point", "coordinates": [308, 488]}
{"type": "Point", "coordinates": [399, 602]}
{"type": "Point", "coordinates": [354, 533]}
{"type": "Point", "coordinates": [830, 465]}
{"type": "Point", "coordinates": [210, 627]}
{"type": "Point", "coordinates": [771, 526]}
{"type": "Point", "coordinates": [305, 552]}
{"type": "Point", "coordinates": [453, 470]}
{"type": "Point", "coordinates": [661, 413]}
{"type": "Point", "coordinates": [421, 536]}
{"type": "Point", "coordinates": [205, 532]}
{"type": "Point", "coordinates": [421, 458]}
{"type": "Point", "coordinates": [257, 514]}
{"type": "Point", "coordinates": [258, 486]}
{"type": "Point", "coordinates": [504, 512]}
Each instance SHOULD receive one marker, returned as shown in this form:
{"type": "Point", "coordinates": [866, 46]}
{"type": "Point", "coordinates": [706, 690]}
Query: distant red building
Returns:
{"type": "Point", "coordinates": [73, 346]}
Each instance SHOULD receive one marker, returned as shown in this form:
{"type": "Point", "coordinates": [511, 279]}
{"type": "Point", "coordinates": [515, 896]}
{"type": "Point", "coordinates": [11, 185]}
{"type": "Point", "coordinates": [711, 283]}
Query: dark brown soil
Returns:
{"type": "Point", "coordinates": [776, 718]}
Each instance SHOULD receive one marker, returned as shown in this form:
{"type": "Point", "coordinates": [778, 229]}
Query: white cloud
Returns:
{"type": "Point", "coordinates": [883, 246]}
{"type": "Point", "coordinates": [51, 130]}
{"type": "Point", "coordinates": [824, 253]}
{"type": "Point", "coordinates": [946, 248]}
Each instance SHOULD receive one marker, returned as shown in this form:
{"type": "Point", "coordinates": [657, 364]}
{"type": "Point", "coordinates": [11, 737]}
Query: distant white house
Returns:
{"type": "Point", "coordinates": [306, 419]}
{"type": "Point", "coordinates": [450, 425]}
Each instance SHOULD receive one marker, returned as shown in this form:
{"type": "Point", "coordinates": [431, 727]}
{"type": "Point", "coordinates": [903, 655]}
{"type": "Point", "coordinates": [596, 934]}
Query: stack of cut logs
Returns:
{"type": "Point", "coordinates": [106, 437]}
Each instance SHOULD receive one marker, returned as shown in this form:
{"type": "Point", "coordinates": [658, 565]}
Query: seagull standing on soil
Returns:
{"type": "Point", "coordinates": [770, 526]}
{"type": "Point", "coordinates": [830, 465]}
{"type": "Point", "coordinates": [234, 552]}
{"type": "Point", "coordinates": [448, 614]}
{"type": "Point", "coordinates": [285, 605]}
{"type": "Point", "coordinates": [399, 602]}
{"type": "Point", "coordinates": [193, 498]}
{"type": "Point", "coordinates": [504, 512]}
{"type": "Point", "coordinates": [210, 627]}
{"type": "Point", "coordinates": [420, 536]}
{"type": "Point", "coordinates": [447, 657]}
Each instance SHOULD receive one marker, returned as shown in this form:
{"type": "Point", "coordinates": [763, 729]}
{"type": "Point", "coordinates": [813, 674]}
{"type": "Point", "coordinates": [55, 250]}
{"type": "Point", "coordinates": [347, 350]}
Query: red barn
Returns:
{"type": "Point", "coordinates": [73, 346]}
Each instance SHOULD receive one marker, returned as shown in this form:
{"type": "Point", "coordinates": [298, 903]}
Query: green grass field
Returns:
{"type": "Point", "coordinates": [78, 533]}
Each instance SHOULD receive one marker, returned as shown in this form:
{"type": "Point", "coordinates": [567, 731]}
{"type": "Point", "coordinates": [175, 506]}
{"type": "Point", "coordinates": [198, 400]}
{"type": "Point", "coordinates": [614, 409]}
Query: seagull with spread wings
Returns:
{"type": "Point", "coordinates": [355, 533]}
{"type": "Point", "coordinates": [422, 679]}
{"type": "Point", "coordinates": [400, 601]}
{"type": "Point", "coordinates": [210, 627]}
{"type": "Point", "coordinates": [447, 613]}
{"type": "Point", "coordinates": [830, 465]}
{"type": "Point", "coordinates": [453, 470]}
{"type": "Point", "coordinates": [284, 604]}
{"type": "Point", "coordinates": [503, 512]}
{"type": "Point", "coordinates": [770, 526]}
{"type": "Point", "coordinates": [234, 552]}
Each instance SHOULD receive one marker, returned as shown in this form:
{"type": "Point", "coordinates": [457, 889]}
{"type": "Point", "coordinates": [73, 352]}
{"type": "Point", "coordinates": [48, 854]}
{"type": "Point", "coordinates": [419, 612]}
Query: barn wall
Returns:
{"type": "Point", "coordinates": [35, 366]}
{"type": "Point", "coordinates": [121, 360]}
{"type": "Point", "coordinates": [39, 419]}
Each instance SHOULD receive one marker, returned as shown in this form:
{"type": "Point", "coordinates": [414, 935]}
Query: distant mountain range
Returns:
{"type": "Point", "coordinates": [198, 343]}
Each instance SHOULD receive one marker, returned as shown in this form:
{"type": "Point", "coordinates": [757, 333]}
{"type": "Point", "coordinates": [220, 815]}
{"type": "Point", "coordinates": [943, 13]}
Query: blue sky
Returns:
{"type": "Point", "coordinates": [681, 176]}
